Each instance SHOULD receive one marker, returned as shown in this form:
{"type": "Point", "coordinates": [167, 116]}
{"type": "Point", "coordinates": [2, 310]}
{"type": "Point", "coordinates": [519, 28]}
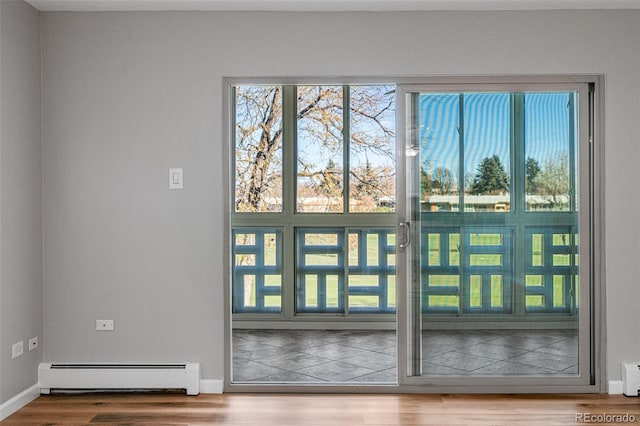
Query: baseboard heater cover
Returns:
{"type": "Point", "coordinates": [119, 376]}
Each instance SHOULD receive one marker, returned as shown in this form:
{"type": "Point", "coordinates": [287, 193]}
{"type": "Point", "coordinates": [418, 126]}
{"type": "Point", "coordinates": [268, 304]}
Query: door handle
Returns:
{"type": "Point", "coordinates": [406, 240]}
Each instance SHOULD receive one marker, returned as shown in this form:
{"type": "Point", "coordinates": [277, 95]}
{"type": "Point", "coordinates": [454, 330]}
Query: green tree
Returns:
{"type": "Point", "coordinates": [490, 177]}
{"type": "Point", "coordinates": [425, 183]}
{"type": "Point", "coordinates": [532, 169]}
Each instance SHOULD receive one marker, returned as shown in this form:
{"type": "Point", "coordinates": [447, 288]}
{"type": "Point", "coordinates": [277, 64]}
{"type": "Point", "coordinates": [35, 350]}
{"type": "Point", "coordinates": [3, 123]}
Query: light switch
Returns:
{"type": "Point", "coordinates": [176, 179]}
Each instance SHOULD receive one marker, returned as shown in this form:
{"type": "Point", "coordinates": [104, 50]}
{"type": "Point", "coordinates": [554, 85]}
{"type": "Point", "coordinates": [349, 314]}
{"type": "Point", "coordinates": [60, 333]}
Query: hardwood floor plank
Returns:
{"type": "Point", "coordinates": [140, 409]}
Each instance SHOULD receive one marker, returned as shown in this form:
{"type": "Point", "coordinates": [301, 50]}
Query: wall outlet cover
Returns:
{"type": "Point", "coordinates": [33, 343]}
{"type": "Point", "coordinates": [104, 325]}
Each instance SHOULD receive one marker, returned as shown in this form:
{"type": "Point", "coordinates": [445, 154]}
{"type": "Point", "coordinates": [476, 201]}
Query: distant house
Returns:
{"type": "Point", "coordinates": [492, 203]}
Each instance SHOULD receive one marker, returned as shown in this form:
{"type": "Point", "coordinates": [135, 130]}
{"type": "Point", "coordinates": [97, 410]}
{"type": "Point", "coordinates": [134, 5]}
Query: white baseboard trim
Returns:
{"type": "Point", "coordinates": [19, 401]}
{"type": "Point", "coordinates": [212, 386]}
{"type": "Point", "coordinates": [615, 387]}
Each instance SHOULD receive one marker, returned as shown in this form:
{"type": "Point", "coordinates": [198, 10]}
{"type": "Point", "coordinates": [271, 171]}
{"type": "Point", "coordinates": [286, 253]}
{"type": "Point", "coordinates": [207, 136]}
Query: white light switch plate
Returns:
{"type": "Point", "coordinates": [176, 178]}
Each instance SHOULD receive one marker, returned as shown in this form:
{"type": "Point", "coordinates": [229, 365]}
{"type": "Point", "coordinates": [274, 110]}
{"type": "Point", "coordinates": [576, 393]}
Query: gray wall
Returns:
{"type": "Point", "coordinates": [128, 95]}
{"type": "Point", "coordinates": [20, 194]}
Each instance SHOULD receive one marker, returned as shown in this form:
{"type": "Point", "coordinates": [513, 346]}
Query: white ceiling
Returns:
{"type": "Point", "coordinates": [327, 5]}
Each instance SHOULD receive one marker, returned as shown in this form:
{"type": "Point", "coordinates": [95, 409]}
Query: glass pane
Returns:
{"type": "Point", "coordinates": [475, 291]}
{"type": "Point", "coordinates": [320, 149]}
{"type": "Point", "coordinates": [332, 291]}
{"type": "Point", "coordinates": [454, 249]}
{"type": "Point", "coordinates": [391, 292]}
{"type": "Point", "coordinates": [496, 291]}
{"type": "Point", "coordinates": [370, 302]}
{"type": "Point", "coordinates": [371, 278]}
{"type": "Point", "coordinates": [515, 271]}
{"type": "Point", "coordinates": [320, 239]}
{"type": "Point", "coordinates": [485, 260]}
{"type": "Point", "coordinates": [438, 145]}
{"type": "Point", "coordinates": [548, 133]}
{"type": "Point", "coordinates": [311, 290]}
{"type": "Point", "coordinates": [372, 157]}
{"type": "Point", "coordinates": [320, 269]}
{"type": "Point", "coordinates": [485, 239]}
{"type": "Point", "coordinates": [443, 301]}
{"type": "Point", "coordinates": [537, 258]}
{"type": "Point", "coordinates": [551, 275]}
{"type": "Point", "coordinates": [270, 255]}
{"type": "Point", "coordinates": [258, 149]}
{"type": "Point", "coordinates": [257, 270]}
{"type": "Point", "coordinates": [487, 129]}
{"type": "Point", "coordinates": [353, 249]}
{"type": "Point", "coordinates": [434, 249]}
{"type": "Point", "coordinates": [444, 280]}
{"type": "Point", "coordinates": [373, 254]}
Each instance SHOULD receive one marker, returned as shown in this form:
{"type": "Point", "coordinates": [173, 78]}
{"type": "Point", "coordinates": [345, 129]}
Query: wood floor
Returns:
{"type": "Point", "coordinates": [316, 410]}
{"type": "Point", "coordinates": [324, 410]}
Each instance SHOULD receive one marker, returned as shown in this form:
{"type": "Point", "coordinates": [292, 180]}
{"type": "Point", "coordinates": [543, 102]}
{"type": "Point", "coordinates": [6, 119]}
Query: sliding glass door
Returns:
{"type": "Point", "coordinates": [494, 235]}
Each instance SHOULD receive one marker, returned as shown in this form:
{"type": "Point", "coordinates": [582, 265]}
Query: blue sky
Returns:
{"type": "Point", "coordinates": [487, 122]}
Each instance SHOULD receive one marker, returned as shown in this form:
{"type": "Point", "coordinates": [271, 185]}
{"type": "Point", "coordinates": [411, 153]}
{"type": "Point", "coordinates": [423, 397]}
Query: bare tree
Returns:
{"type": "Point", "coordinates": [320, 139]}
{"type": "Point", "coordinates": [443, 180]}
{"type": "Point", "coordinates": [258, 145]}
{"type": "Point", "coordinates": [554, 179]}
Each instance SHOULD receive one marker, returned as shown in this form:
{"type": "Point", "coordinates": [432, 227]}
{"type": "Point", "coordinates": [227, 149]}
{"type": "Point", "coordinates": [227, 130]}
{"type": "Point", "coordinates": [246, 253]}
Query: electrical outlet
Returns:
{"type": "Point", "coordinates": [17, 349]}
{"type": "Point", "coordinates": [33, 343]}
{"type": "Point", "coordinates": [104, 325]}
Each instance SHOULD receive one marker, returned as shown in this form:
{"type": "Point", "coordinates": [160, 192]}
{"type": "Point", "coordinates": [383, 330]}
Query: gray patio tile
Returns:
{"type": "Point", "coordinates": [370, 343]}
{"type": "Point", "coordinates": [334, 351]}
{"type": "Point", "coordinates": [511, 368]}
{"type": "Point", "coordinates": [257, 351]}
{"type": "Point", "coordinates": [366, 355]}
{"type": "Point", "coordinates": [571, 370]}
{"type": "Point", "coordinates": [383, 376]}
{"type": "Point", "coordinates": [460, 361]}
{"type": "Point", "coordinates": [389, 351]}
{"type": "Point", "coordinates": [336, 371]}
{"type": "Point", "coordinates": [239, 362]}
{"type": "Point", "coordinates": [252, 370]}
{"type": "Point", "coordinates": [525, 340]}
{"type": "Point", "coordinates": [489, 350]}
{"type": "Point", "coordinates": [563, 348]}
{"type": "Point", "coordinates": [436, 370]}
{"type": "Point", "coordinates": [256, 335]}
{"type": "Point", "coordinates": [373, 360]}
{"type": "Point", "coordinates": [550, 361]}
{"type": "Point", "coordinates": [293, 360]}
{"type": "Point", "coordinates": [288, 377]}
{"type": "Point", "coordinates": [241, 353]}
{"type": "Point", "coordinates": [430, 351]}
{"type": "Point", "coordinates": [449, 341]}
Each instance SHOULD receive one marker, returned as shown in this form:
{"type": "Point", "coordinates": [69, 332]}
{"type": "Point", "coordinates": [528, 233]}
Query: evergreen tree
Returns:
{"type": "Point", "coordinates": [368, 181]}
{"type": "Point", "coordinates": [532, 171]}
{"type": "Point", "coordinates": [330, 182]}
{"type": "Point", "coordinates": [490, 177]}
{"type": "Point", "coordinates": [425, 183]}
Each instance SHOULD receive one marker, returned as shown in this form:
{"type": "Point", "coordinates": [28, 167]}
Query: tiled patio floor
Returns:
{"type": "Point", "coordinates": [348, 356]}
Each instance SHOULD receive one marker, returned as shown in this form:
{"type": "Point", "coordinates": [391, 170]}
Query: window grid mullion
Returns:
{"type": "Point", "coordinates": [346, 148]}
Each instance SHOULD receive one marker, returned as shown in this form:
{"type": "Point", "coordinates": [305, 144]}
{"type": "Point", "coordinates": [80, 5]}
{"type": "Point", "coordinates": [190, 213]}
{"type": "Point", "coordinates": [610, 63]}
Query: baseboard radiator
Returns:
{"type": "Point", "coordinates": [58, 376]}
